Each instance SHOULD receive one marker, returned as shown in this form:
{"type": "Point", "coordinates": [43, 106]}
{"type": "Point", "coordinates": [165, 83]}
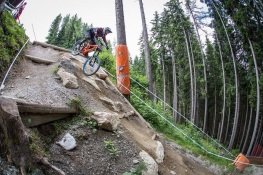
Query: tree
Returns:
{"type": "Point", "coordinates": [2, 5]}
{"type": "Point", "coordinates": [122, 62]}
{"type": "Point", "coordinates": [224, 87]}
{"type": "Point", "coordinates": [54, 29]}
{"type": "Point", "coordinates": [258, 99]}
{"type": "Point", "coordinates": [191, 76]}
{"type": "Point", "coordinates": [234, 129]}
{"type": "Point", "coordinates": [61, 39]}
{"type": "Point", "coordinates": [203, 59]}
{"type": "Point", "coordinates": [147, 52]}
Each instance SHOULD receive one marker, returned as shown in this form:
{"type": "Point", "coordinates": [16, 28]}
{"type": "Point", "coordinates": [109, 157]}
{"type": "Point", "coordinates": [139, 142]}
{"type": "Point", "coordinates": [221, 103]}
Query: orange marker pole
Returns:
{"type": "Point", "coordinates": [122, 61]}
{"type": "Point", "coordinates": [122, 69]}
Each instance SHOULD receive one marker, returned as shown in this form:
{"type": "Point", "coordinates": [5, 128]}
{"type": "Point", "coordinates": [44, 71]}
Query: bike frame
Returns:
{"type": "Point", "coordinates": [87, 48]}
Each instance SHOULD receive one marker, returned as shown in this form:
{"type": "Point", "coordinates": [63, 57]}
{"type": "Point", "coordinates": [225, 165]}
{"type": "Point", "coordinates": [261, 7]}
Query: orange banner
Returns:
{"type": "Point", "coordinates": [122, 69]}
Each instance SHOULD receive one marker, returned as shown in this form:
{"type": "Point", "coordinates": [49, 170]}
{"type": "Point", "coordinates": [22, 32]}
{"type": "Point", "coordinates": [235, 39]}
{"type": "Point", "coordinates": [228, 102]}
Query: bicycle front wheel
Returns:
{"type": "Point", "coordinates": [91, 65]}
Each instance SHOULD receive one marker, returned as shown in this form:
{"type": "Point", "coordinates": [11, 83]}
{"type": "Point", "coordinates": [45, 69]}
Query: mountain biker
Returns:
{"type": "Point", "coordinates": [94, 33]}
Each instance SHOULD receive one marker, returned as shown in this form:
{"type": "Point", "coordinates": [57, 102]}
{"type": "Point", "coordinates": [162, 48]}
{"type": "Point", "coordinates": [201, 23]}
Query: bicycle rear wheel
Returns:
{"type": "Point", "coordinates": [77, 47]}
{"type": "Point", "coordinates": [91, 65]}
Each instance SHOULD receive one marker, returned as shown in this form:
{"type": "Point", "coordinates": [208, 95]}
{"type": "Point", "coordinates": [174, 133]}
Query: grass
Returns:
{"type": "Point", "coordinates": [187, 143]}
{"type": "Point", "coordinates": [111, 148]}
{"type": "Point", "coordinates": [37, 144]}
{"type": "Point", "coordinates": [138, 170]}
{"type": "Point", "coordinates": [54, 69]}
{"type": "Point", "coordinates": [76, 103]}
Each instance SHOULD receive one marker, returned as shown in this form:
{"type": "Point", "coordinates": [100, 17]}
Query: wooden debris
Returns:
{"type": "Point", "coordinates": [45, 162]}
{"type": "Point", "coordinates": [44, 109]}
{"type": "Point", "coordinates": [15, 135]}
{"type": "Point", "coordinates": [33, 120]}
{"type": "Point", "coordinates": [33, 114]}
{"type": "Point", "coordinates": [36, 114]}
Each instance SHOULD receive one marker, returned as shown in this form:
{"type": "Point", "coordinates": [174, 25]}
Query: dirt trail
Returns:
{"type": "Point", "coordinates": [38, 83]}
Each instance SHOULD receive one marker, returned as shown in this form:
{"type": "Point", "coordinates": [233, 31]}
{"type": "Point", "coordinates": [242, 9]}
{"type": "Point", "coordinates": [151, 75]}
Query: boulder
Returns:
{"type": "Point", "coordinates": [69, 80]}
{"type": "Point", "coordinates": [90, 80]}
{"type": "Point", "coordinates": [115, 105]}
{"type": "Point", "coordinates": [101, 74]}
{"type": "Point", "coordinates": [106, 120]}
{"type": "Point", "coordinates": [159, 152]}
{"type": "Point", "coordinates": [151, 165]}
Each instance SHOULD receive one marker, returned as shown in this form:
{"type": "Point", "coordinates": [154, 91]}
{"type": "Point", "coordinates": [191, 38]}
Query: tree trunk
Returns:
{"type": "Point", "coordinates": [164, 83]}
{"type": "Point", "coordinates": [191, 76]}
{"type": "Point", "coordinates": [175, 99]}
{"type": "Point", "coordinates": [259, 139]}
{"type": "Point", "coordinates": [120, 24]}
{"type": "Point", "coordinates": [224, 88]}
{"type": "Point", "coordinates": [194, 84]}
{"type": "Point", "coordinates": [148, 63]}
{"type": "Point", "coordinates": [245, 127]}
{"type": "Point", "coordinates": [214, 124]}
{"type": "Point", "coordinates": [236, 116]}
{"type": "Point", "coordinates": [258, 100]}
{"type": "Point", "coordinates": [248, 130]}
{"type": "Point", "coordinates": [204, 64]}
{"type": "Point", "coordinates": [15, 136]}
{"type": "Point", "coordinates": [122, 57]}
{"type": "Point", "coordinates": [227, 124]}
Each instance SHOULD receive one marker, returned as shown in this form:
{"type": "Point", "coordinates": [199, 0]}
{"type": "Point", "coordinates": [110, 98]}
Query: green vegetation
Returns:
{"type": "Point", "coordinates": [152, 112]}
{"type": "Point", "coordinates": [37, 144]}
{"type": "Point", "coordinates": [175, 135]}
{"type": "Point", "coordinates": [12, 38]}
{"type": "Point", "coordinates": [54, 69]}
{"type": "Point", "coordinates": [137, 170]}
{"type": "Point", "coordinates": [108, 60]}
{"type": "Point", "coordinates": [65, 31]}
{"type": "Point", "coordinates": [76, 103]}
{"type": "Point", "coordinates": [111, 148]}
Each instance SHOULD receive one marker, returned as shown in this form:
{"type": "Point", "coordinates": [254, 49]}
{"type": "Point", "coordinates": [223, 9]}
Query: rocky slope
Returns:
{"type": "Point", "coordinates": [54, 78]}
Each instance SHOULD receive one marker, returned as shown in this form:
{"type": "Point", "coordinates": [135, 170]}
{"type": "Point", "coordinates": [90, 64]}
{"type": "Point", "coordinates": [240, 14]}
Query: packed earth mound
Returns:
{"type": "Point", "coordinates": [110, 136]}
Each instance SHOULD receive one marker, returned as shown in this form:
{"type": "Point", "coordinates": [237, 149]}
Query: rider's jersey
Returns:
{"type": "Point", "coordinates": [98, 32]}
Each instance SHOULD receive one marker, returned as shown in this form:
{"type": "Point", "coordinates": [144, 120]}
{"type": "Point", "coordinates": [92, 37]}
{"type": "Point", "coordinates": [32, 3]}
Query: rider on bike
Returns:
{"type": "Point", "coordinates": [92, 34]}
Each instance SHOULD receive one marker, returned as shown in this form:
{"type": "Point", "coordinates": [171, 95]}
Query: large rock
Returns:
{"type": "Point", "coordinates": [115, 105]}
{"type": "Point", "coordinates": [90, 80]}
{"type": "Point", "coordinates": [107, 121]}
{"type": "Point", "coordinates": [159, 152]}
{"type": "Point", "coordinates": [69, 80]}
{"type": "Point", "coordinates": [151, 165]}
{"type": "Point", "coordinates": [101, 74]}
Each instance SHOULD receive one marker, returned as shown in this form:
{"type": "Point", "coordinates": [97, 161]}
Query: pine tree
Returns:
{"type": "Point", "coordinates": [61, 39]}
{"type": "Point", "coordinates": [54, 29]}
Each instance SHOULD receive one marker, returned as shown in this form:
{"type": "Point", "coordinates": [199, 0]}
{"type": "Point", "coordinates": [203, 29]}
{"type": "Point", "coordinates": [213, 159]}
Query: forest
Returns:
{"type": "Point", "coordinates": [200, 87]}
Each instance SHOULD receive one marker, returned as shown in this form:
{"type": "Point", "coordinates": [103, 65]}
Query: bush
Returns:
{"type": "Point", "coordinates": [108, 61]}
{"type": "Point", "coordinates": [12, 38]}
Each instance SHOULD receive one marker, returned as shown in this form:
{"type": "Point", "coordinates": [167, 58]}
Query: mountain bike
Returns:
{"type": "Point", "coordinates": [92, 63]}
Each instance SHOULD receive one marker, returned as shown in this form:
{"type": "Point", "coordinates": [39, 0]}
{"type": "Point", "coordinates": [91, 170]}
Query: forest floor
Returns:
{"type": "Point", "coordinates": [38, 83]}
